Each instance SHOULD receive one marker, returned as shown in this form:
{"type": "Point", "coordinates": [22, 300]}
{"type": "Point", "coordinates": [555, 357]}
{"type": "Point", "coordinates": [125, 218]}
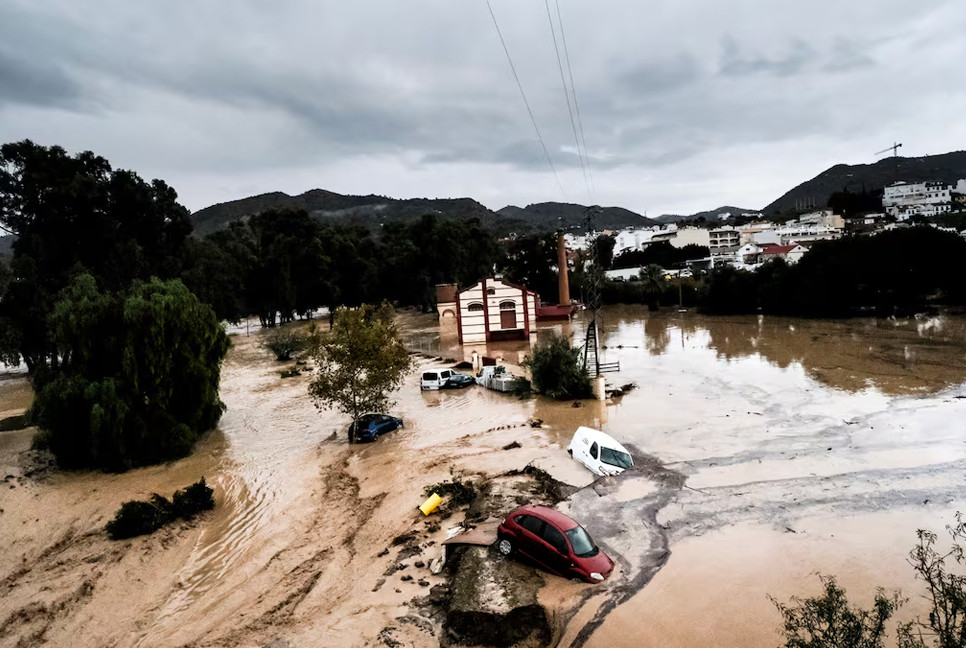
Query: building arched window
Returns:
{"type": "Point", "coordinates": [508, 305]}
{"type": "Point", "coordinates": [475, 307]}
{"type": "Point", "coordinates": [491, 291]}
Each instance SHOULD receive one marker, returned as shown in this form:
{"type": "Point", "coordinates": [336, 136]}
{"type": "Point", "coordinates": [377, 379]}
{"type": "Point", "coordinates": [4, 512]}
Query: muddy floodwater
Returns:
{"type": "Point", "coordinates": [769, 450]}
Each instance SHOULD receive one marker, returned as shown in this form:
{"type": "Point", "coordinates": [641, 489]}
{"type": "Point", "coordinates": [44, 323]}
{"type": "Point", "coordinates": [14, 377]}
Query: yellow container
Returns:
{"type": "Point", "coordinates": [430, 504]}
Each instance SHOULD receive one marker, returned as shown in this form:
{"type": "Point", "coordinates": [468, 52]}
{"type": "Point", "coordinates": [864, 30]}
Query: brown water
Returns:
{"type": "Point", "coordinates": [780, 448]}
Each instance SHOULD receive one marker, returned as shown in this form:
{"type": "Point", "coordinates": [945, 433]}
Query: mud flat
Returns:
{"type": "Point", "coordinates": [768, 450]}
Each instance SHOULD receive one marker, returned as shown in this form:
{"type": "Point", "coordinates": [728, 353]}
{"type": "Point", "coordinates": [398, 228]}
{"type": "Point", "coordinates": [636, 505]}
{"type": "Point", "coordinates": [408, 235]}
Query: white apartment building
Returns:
{"type": "Point", "coordinates": [904, 199]}
{"type": "Point", "coordinates": [691, 236]}
{"type": "Point", "coordinates": [576, 241]}
{"type": "Point", "coordinates": [724, 240]}
{"type": "Point", "coordinates": [629, 240]}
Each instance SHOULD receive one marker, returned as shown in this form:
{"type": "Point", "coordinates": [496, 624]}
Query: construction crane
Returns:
{"type": "Point", "coordinates": [894, 148]}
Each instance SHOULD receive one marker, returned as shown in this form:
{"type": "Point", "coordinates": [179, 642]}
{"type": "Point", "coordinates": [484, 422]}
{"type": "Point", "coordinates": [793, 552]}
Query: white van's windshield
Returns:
{"type": "Point", "coordinates": [615, 457]}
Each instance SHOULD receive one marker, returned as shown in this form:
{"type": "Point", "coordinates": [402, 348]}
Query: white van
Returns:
{"type": "Point", "coordinates": [435, 378]}
{"type": "Point", "coordinates": [599, 452]}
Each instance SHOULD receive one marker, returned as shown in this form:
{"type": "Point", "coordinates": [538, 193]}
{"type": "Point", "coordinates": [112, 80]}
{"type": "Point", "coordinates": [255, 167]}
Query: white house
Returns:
{"type": "Point", "coordinates": [749, 253]}
{"type": "Point", "coordinates": [495, 309]}
{"type": "Point", "coordinates": [904, 199]}
{"type": "Point", "coordinates": [792, 253]}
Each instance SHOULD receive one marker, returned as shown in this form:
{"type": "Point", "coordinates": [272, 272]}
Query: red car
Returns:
{"type": "Point", "coordinates": [553, 541]}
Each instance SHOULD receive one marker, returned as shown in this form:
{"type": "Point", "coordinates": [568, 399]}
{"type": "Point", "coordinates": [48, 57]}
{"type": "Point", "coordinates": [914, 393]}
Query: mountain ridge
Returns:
{"type": "Point", "coordinates": [814, 193]}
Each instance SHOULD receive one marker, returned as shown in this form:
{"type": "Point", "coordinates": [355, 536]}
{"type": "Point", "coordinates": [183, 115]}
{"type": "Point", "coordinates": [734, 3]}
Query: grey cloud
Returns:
{"type": "Point", "coordinates": [662, 76]}
{"type": "Point", "coordinates": [846, 56]}
{"type": "Point", "coordinates": [27, 82]}
{"type": "Point", "coordinates": [735, 62]}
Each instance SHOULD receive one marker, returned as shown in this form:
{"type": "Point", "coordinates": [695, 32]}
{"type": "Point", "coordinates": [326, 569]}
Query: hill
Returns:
{"type": "Point", "coordinates": [947, 167]}
{"type": "Point", "coordinates": [569, 216]}
{"type": "Point", "coordinates": [711, 215]}
{"type": "Point", "coordinates": [328, 205]}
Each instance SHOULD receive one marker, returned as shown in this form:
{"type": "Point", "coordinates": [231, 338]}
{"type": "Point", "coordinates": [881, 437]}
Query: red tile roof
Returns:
{"type": "Point", "coordinates": [777, 249]}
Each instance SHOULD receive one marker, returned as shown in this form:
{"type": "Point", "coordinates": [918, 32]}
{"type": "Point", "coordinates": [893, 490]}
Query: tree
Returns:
{"type": "Point", "coordinates": [138, 379]}
{"type": "Point", "coordinates": [945, 590]}
{"type": "Point", "coordinates": [531, 261]}
{"type": "Point", "coordinates": [359, 362]}
{"type": "Point", "coordinates": [74, 214]}
{"type": "Point", "coordinates": [556, 369]}
{"type": "Point", "coordinates": [604, 248]}
{"type": "Point", "coordinates": [829, 621]}
{"type": "Point", "coordinates": [652, 284]}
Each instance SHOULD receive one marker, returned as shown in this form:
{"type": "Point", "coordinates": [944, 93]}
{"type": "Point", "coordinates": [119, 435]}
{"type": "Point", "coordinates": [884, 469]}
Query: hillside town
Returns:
{"type": "Point", "coordinates": [747, 240]}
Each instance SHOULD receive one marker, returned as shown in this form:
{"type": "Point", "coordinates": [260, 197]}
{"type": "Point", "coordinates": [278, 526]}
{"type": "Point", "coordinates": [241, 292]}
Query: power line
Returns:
{"type": "Point", "coordinates": [525, 102]}
{"type": "Point", "coordinates": [573, 89]}
{"type": "Point", "coordinates": [563, 82]}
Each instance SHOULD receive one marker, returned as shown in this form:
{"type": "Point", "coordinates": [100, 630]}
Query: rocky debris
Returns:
{"type": "Point", "coordinates": [493, 602]}
{"type": "Point", "coordinates": [463, 365]}
{"type": "Point", "coordinates": [535, 422]}
{"type": "Point", "coordinates": [512, 446]}
{"type": "Point", "coordinates": [406, 578]}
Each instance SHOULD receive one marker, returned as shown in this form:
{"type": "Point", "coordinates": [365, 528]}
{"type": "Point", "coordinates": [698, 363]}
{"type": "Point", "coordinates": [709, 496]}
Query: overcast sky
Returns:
{"type": "Point", "coordinates": [685, 105]}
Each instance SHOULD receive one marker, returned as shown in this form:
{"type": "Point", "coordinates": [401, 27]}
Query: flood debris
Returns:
{"type": "Point", "coordinates": [493, 602]}
{"type": "Point", "coordinates": [512, 445]}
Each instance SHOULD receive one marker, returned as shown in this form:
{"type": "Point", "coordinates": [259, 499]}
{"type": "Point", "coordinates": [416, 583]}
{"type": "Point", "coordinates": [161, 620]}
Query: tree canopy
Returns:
{"type": "Point", "coordinates": [138, 378]}
{"type": "Point", "coordinates": [75, 214]}
{"type": "Point", "coordinates": [360, 361]}
{"type": "Point", "coordinates": [556, 369]}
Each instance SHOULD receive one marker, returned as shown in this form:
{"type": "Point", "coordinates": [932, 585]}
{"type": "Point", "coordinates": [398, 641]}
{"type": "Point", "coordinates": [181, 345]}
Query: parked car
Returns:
{"type": "Point", "coordinates": [369, 426]}
{"type": "Point", "coordinates": [458, 381]}
{"type": "Point", "coordinates": [435, 378]}
{"type": "Point", "coordinates": [553, 541]}
{"type": "Point", "coordinates": [599, 452]}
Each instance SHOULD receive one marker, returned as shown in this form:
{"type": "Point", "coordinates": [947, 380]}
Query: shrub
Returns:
{"type": "Point", "coordinates": [194, 499]}
{"type": "Point", "coordinates": [557, 371]}
{"type": "Point", "coordinates": [284, 344]}
{"type": "Point", "coordinates": [136, 517]}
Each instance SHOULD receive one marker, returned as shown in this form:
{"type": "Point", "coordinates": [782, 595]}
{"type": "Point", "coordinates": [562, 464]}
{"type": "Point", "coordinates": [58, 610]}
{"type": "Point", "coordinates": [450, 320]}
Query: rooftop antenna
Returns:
{"type": "Point", "coordinates": [894, 148]}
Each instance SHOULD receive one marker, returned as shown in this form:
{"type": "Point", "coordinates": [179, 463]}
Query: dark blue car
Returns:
{"type": "Point", "coordinates": [369, 426]}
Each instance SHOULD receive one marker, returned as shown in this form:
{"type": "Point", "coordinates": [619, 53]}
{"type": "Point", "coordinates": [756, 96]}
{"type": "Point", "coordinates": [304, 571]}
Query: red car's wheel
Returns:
{"type": "Point", "coordinates": [504, 546]}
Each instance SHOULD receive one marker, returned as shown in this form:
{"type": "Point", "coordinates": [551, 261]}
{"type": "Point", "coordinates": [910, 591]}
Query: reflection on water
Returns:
{"type": "Point", "coordinates": [894, 356]}
{"type": "Point", "coordinates": [923, 354]}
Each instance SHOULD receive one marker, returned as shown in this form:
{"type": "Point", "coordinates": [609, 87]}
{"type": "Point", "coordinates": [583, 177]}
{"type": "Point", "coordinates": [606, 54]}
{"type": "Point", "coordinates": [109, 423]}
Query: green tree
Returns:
{"type": "Point", "coordinates": [556, 369]}
{"type": "Point", "coordinates": [531, 261]}
{"type": "Point", "coordinates": [605, 250]}
{"type": "Point", "coordinates": [945, 591]}
{"type": "Point", "coordinates": [829, 621]}
{"type": "Point", "coordinates": [359, 362]}
{"type": "Point", "coordinates": [652, 285]}
{"type": "Point", "coordinates": [76, 214]}
{"type": "Point", "coordinates": [138, 381]}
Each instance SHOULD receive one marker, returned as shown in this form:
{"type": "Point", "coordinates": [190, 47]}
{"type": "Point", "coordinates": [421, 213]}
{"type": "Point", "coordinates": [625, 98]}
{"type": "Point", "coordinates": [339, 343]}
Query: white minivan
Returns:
{"type": "Point", "coordinates": [599, 452]}
{"type": "Point", "coordinates": [435, 378]}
